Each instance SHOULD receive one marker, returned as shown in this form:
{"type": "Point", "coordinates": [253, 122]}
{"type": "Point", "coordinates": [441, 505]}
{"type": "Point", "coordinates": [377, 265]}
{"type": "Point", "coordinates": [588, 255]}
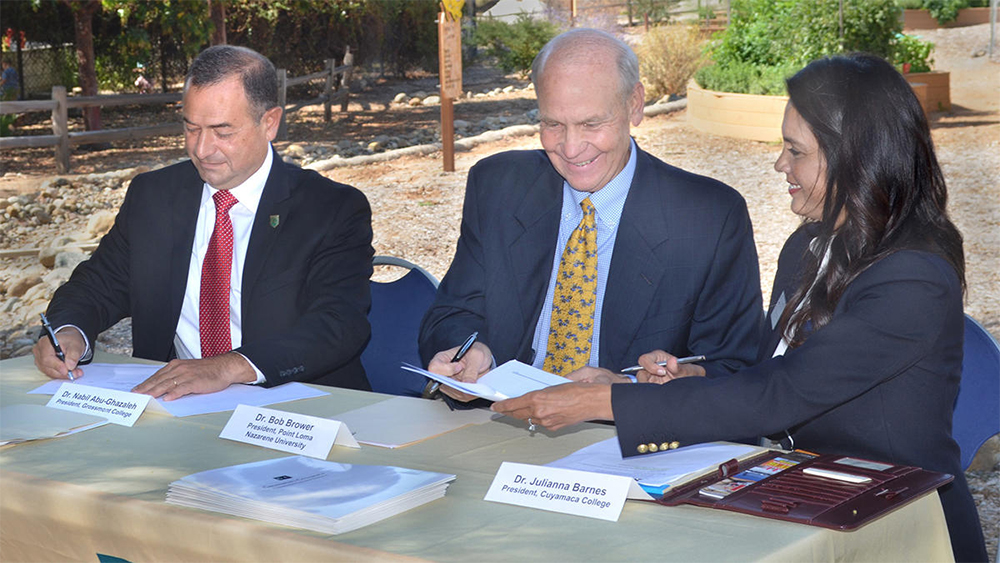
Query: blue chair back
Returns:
{"type": "Point", "coordinates": [397, 309]}
{"type": "Point", "coordinates": [977, 408]}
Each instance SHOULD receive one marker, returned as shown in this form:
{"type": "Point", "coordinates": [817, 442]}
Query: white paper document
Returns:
{"type": "Point", "coordinates": [21, 423]}
{"type": "Point", "coordinates": [301, 492]}
{"type": "Point", "coordinates": [653, 472]}
{"type": "Point", "coordinates": [401, 421]}
{"type": "Point", "coordinates": [507, 381]}
{"type": "Point", "coordinates": [124, 377]}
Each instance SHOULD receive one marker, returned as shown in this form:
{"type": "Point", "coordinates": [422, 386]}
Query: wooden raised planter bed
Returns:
{"type": "Point", "coordinates": [758, 118]}
{"type": "Point", "coordinates": [938, 88]}
{"type": "Point", "coordinates": [921, 19]}
{"type": "Point", "coordinates": [743, 116]}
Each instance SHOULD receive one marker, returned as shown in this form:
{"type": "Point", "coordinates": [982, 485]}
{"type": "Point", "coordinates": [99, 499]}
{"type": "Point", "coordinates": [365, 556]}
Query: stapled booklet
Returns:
{"type": "Point", "coordinates": [313, 494]}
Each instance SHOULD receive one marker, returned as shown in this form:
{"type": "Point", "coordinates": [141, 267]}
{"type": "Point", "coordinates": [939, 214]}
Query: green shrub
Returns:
{"type": "Point", "coordinates": [912, 54]}
{"type": "Point", "coordinates": [514, 44]}
{"type": "Point", "coordinates": [669, 55]}
{"type": "Point", "coordinates": [944, 11]}
{"type": "Point", "coordinates": [746, 78]}
{"type": "Point", "coordinates": [791, 33]}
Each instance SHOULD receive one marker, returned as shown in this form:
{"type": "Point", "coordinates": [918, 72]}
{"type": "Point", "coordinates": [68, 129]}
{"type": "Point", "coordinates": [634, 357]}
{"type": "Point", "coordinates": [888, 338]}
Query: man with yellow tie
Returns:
{"type": "Point", "coordinates": [593, 252]}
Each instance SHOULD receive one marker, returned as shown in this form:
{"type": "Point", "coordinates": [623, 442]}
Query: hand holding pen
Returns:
{"type": "Point", "coordinates": [44, 357]}
{"type": "Point", "coordinates": [467, 362]}
{"type": "Point", "coordinates": [659, 367]}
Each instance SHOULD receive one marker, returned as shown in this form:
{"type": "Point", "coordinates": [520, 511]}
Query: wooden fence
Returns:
{"type": "Point", "coordinates": [62, 138]}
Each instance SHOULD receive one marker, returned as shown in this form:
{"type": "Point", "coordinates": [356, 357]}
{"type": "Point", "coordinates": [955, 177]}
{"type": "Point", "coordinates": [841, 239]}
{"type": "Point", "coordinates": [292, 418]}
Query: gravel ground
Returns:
{"type": "Point", "coordinates": [417, 207]}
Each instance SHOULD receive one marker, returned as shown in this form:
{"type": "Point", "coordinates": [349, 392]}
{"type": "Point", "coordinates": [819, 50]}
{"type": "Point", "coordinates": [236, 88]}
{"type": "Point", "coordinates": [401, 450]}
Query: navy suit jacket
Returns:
{"type": "Point", "coordinates": [879, 381]}
{"type": "Point", "coordinates": [683, 277]}
{"type": "Point", "coordinates": [305, 291]}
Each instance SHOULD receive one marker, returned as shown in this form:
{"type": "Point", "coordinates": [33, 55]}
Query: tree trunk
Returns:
{"type": "Point", "coordinates": [83, 16]}
{"type": "Point", "coordinates": [218, 11]}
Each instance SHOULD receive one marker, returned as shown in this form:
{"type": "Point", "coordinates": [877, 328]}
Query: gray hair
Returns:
{"type": "Point", "coordinates": [221, 62]}
{"type": "Point", "coordinates": [579, 45]}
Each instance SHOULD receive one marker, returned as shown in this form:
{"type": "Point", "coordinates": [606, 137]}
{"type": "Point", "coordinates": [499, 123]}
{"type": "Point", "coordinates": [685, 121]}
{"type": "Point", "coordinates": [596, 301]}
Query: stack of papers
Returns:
{"type": "Point", "coordinates": [655, 473]}
{"type": "Point", "coordinates": [313, 494]}
{"type": "Point", "coordinates": [22, 423]}
{"type": "Point", "coordinates": [507, 381]}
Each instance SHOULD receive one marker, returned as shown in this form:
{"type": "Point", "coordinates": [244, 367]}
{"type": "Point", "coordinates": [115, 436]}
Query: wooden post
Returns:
{"type": "Point", "coordinates": [328, 90]}
{"type": "Point", "coordinates": [450, 74]}
{"type": "Point", "coordinates": [282, 92]}
{"type": "Point", "coordinates": [60, 128]}
{"type": "Point", "coordinates": [345, 79]}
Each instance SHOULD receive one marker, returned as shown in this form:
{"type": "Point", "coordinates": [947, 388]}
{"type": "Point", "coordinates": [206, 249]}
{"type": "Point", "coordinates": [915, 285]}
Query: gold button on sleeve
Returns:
{"type": "Point", "coordinates": [652, 447]}
{"type": "Point", "coordinates": [674, 445]}
{"type": "Point", "coordinates": [642, 448]}
{"type": "Point", "coordinates": [664, 446]}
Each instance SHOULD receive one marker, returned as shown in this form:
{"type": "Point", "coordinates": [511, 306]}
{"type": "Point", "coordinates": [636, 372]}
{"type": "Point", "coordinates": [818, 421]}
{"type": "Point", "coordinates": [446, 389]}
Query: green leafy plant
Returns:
{"type": "Point", "coordinates": [746, 78]}
{"type": "Point", "coordinates": [669, 55]}
{"type": "Point", "coordinates": [911, 54]}
{"type": "Point", "coordinates": [788, 34]}
{"type": "Point", "coordinates": [514, 44]}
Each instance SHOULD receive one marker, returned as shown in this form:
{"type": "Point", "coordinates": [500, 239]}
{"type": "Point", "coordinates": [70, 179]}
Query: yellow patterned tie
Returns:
{"type": "Point", "coordinates": [573, 301]}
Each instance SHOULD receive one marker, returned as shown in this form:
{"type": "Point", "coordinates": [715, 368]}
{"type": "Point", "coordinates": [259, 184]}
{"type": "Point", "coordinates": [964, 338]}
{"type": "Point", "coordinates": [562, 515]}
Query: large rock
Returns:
{"type": "Point", "coordinates": [431, 101]}
{"type": "Point", "coordinates": [19, 286]}
{"type": "Point", "coordinates": [295, 151]}
{"type": "Point", "coordinates": [40, 292]}
{"type": "Point", "coordinates": [57, 277]}
{"type": "Point", "coordinates": [31, 311]}
{"type": "Point", "coordinates": [100, 223]}
{"type": "Point", "coordinates": [47, 256]}
{"type": "Point", "coordinates": [68, 259]}
{"type": "Point", "coordinates": [401, 98]}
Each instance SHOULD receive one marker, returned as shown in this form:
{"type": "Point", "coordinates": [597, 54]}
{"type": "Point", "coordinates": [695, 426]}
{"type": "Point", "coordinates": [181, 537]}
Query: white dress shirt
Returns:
{"type": "Point", "coordinates": [187, 341]}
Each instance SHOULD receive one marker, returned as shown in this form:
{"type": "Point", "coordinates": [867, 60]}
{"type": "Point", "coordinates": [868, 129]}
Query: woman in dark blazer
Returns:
{"type": "Point", "coordinates": [862, 348]}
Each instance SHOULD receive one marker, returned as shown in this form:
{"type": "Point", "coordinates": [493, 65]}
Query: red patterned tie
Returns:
{"type": "Point", "coordinates": [216, 273]}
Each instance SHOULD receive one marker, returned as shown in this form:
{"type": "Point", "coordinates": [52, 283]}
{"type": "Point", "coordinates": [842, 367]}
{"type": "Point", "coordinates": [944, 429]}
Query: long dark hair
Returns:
{"type": "Point", "coordinates": [882, 177]}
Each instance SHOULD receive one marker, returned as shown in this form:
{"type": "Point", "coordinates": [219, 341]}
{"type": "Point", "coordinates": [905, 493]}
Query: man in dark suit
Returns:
{"type": "Point", "coordinates": [234, 266]}
{"type": "Point", "coordinates": [676, 265]}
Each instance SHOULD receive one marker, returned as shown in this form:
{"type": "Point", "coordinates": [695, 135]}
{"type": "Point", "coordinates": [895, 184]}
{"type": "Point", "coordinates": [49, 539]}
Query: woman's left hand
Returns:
{"type": "Point", "coordinates": [560, 406]}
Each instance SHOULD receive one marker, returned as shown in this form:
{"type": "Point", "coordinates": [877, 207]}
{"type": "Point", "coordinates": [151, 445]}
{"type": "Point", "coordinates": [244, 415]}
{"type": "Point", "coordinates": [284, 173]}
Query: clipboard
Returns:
{"type": "Point", "coordinates": [830, 491]}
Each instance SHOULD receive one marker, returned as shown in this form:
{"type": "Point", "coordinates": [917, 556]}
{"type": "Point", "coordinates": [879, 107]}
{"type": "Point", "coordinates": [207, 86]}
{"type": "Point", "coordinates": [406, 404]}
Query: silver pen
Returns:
{"type": "Point", "coordinates": [687, 360]}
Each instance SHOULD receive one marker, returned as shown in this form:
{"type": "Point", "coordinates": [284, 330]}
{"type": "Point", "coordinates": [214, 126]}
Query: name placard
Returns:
{"type": "Point", "coordinates": [119, 407]}
{"type": "Point", "coordinates": [569, 491]}
{"type": "Point", "coordinates": [288, 432]}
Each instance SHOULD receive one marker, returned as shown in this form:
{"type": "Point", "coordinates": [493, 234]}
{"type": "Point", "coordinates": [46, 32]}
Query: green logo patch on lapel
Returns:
{"type": "Point", "coordinates": [275, 219]}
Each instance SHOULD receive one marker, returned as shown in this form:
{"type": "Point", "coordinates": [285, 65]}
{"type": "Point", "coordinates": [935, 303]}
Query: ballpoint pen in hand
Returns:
{"type": "Point", "coordinates": [465, 347]}
{"type": "Point", "coordinates": [687, 360]}
{"type": "Point", "coordinates": [55, 343]}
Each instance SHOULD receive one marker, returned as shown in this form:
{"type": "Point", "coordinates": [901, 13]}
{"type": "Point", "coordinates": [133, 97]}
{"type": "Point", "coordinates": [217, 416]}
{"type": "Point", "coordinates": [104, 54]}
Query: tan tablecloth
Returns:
{"type": "Point", "coordinates": [103, 490]}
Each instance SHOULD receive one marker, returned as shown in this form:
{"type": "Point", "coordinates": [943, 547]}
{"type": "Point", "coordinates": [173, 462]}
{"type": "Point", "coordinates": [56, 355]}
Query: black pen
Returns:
{"type": "Point", "coordinates": [465, 347]}
{"type": "Point", "coordinates": [687, 360]}
{"type": "Point", "coordinates": [55, 343]}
